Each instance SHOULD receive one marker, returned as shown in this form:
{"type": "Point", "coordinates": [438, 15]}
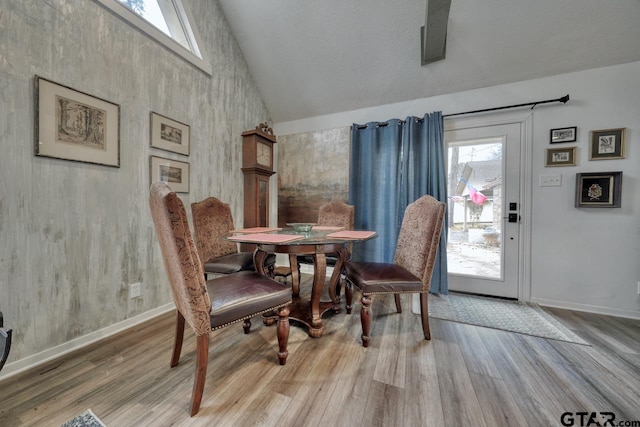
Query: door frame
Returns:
{"type": "Point", "coordinates": [525, 120]}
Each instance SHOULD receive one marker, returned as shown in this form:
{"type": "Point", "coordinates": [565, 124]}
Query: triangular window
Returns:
{"type": "Point", "coordinates": [163, 15]}
{"type": "Point", "coordinates": [167, 21]}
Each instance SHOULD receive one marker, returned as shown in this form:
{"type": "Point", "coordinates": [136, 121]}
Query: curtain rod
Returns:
{"type": "Point", "coordinates": [563, 99]}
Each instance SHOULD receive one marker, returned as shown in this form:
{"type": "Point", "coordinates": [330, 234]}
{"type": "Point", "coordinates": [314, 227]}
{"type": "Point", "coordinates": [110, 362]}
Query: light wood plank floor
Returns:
{"type": "Point", "coordinates": [465, 376]}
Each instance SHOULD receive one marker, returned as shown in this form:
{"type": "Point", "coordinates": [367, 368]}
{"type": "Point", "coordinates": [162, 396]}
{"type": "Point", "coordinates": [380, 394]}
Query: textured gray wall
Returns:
{"type": "Point", "coordinates": [73, 236]}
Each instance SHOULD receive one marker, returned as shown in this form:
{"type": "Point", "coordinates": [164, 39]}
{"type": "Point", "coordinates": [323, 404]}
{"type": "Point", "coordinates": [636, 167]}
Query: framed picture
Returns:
{"type": "Point", "coordinates": [563, 135]}
{"type": "Point", "coordinates": [561, 156]}
{"type": "Point", "coordinates": [73, 125]}
{"type": "Point", "coordinates": [173, 172]}
{"type": "Point", "coordinates": [169, 135]}
{"type": "Point", "coordinates": [598, 189]}
{"type": "Point", "coordinates": [607, 144]}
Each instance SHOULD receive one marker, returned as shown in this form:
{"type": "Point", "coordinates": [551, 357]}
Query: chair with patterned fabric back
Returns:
{"type": "Point", "coordinates": [213, 304]}
{"type": "Point", "coordinates": [412, 265]}
{"type": "Point", "coordinates": [333, 214]}
{"type": "Point", "coordinates": [212, 222]}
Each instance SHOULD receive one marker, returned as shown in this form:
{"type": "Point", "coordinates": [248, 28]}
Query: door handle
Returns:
{"type": "Point", "coordinates": [513, 217]}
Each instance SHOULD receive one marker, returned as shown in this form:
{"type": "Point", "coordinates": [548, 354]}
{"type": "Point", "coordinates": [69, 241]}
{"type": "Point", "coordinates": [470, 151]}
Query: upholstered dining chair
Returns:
{"type": "Point", "coordinates": [212, 221]}
{"type": "Point", "coordinates": [411, 269]}
{"type": "Point", "coordinates": [334, 214]}
{"type": "Point", "coordinates": [5, 342]}
{"type": "Point", "coordinates": [213, 304]}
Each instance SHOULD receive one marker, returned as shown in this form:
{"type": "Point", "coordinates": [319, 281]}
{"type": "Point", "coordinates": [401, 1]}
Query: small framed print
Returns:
{"type": "Point", "coordinates": [598, 189]}
{"type": "Point", "coordinates": [561, 156]}
{"type": "Point", "coordinates": [563, 135]}
{"type": "Point", "coordinates": [73, 125]}
{"type": "Point", "coordinates": [173, 172]}
{"type": "Point", "coordinates": [169, 135]}
{"type": "Point", "coordinates": [607, 144]}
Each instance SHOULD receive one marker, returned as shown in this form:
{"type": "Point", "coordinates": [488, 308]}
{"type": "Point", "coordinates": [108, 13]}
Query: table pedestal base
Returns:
{"type": "Point", "coordinates": [308, 312]}
{"type": "Point", "coordinates": [300, 311]}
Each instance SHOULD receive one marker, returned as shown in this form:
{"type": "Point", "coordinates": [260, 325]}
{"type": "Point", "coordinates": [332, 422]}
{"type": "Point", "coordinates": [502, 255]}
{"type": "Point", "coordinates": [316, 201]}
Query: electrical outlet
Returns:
{"type": "Point", "coordinates": [550, 180]}
{"type": "Point", "coordinates": [135, 290]}
{"type": "Point", "coordinates": [638, 288]}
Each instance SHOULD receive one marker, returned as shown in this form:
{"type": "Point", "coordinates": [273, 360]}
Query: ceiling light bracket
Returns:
{"type": "Point", "coordinates": [433, 35]}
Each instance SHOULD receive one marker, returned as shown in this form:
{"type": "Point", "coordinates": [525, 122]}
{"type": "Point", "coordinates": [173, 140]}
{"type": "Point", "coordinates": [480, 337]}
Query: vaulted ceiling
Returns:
{"type": "Point", "coordinates": [316, 57]}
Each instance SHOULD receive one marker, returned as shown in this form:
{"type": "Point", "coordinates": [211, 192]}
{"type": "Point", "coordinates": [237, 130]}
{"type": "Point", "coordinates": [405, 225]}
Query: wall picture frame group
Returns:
{"type": "Point", "coordinates": [175, 173]}
{"type": "Point", "coordinates": [565, 156]}
{"type": "Point", "coordinates": [74, 125]}
{"type": "Point", "coordinates": [607, 144]}
{"type": "Point", "coordinates": [170, 135]}
{"type": "Point", "coordinates": [568, 134]}
{"type": "Point", "coordinates": [598, 189]}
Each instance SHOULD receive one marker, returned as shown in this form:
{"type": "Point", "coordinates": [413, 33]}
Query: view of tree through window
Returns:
{"type": "Point", "coordinates": [163, 15]}
{"type": "Point", "coordinates": [136, 5]}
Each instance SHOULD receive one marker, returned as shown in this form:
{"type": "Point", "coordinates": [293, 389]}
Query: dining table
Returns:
{"type": "Point", "coordinates": [319, 242]}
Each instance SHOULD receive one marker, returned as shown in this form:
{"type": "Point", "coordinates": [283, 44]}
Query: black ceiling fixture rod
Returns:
{"type": "Point", "coordinates": [563, 99]}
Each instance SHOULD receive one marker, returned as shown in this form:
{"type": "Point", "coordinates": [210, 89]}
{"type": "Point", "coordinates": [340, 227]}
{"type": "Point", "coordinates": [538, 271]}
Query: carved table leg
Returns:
{"type": "Point", "coordinates": [259, 256]}
{"type": "Point", "coordinates": [334, 282]}
{"type": "Point", "coordinates": [295, 275]}
{"type": "Point", "coordinates": [319, 276]}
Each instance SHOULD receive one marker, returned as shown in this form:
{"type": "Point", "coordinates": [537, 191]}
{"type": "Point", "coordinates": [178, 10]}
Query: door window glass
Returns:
{"type": "Point", "coordinates": [475, 208]}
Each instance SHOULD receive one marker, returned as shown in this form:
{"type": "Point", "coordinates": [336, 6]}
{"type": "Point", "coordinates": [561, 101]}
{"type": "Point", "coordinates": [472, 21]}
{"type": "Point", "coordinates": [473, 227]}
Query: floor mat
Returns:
{"type": "Point", "coordinates": [513, 316]}
{"type": "Point", "coordinates": [86, 419]}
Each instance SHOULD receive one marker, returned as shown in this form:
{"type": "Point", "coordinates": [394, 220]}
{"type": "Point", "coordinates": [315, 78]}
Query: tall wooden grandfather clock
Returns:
{"type": "Point", "coordinates": [257, 166]}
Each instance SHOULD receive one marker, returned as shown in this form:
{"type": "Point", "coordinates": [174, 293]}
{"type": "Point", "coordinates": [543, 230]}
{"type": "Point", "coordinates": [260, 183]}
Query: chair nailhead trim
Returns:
{"type": "Point", "coordinates": [250, 316]}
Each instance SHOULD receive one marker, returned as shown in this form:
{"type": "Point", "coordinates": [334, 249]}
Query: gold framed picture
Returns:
{"type": "Point", "coordinates": [565, 156]}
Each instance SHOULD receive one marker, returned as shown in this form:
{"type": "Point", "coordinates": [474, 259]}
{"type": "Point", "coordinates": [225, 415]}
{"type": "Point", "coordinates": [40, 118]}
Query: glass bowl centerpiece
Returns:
{"type": "Point", "coordinates": [301, 227]}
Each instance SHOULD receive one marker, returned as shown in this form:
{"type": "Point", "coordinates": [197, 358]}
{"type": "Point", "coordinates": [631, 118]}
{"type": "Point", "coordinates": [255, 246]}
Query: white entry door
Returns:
{"type": "Point", "coordinates": [485, 216]}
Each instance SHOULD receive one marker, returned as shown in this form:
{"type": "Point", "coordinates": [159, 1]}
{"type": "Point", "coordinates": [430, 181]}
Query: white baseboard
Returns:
{"type": "Point", "coordinates": [30, 362]}
{"type": "Point", "coordinates": [631, 314]}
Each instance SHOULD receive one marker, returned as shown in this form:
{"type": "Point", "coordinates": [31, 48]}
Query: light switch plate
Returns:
{"type": "Point", "coordinates": [135, 290]}
{"type": "Point", "coordinates": [550, 180]}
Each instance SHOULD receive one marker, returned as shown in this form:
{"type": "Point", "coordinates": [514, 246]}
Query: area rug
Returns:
{"type": "Point", "coordinates": [86, 419]}
{"type": "Point", "coordinates": [512, 316]}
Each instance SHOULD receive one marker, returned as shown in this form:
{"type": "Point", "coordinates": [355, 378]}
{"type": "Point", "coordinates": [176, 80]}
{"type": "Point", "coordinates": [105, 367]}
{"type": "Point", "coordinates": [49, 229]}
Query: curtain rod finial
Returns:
{"type": "Point", "coordinates": [564, 99]}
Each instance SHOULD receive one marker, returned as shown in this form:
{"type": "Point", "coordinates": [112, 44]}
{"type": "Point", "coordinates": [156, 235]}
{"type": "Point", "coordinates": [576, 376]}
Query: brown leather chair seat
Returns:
{"type": "Point", "coordinates": [233, 263]}
{"type": "Point", "coordinates": [379, 278]}
{"type": "Point", "coordinates": [259, 294]}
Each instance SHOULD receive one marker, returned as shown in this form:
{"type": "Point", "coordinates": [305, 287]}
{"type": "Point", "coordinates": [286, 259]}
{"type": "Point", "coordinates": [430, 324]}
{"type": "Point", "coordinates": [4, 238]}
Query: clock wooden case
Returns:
{"type": "Point", "coordinates": [257, 166]}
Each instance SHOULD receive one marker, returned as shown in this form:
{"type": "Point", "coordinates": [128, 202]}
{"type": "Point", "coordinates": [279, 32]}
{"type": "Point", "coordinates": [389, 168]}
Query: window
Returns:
{"type": "Point", "coordinates": [166, 21]}
{"type": "Point", "coordinates": [165, 18]}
